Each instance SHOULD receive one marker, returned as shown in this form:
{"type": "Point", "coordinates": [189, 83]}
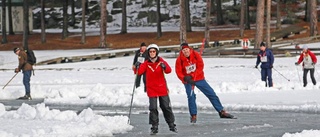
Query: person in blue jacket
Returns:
{"type": "Point", "coordinates": [266, 58]}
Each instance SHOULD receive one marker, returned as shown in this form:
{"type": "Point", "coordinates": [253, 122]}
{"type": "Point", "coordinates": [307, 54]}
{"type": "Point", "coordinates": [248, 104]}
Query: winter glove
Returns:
{"type": "Point", "coordinates": [189, 80]}
{"type": "Point", "coordinates": [256, 66]}
{"type": "Point", "coordinates": [163, 66]}
{"type": "Point", "coordinates": [137, 64]}
{"type": "Point", "coordinates": [16, 70]}
{"type": "Point", "coordinates": [296, 63]}
{"type": "Point", "coordinates": [312, 63]}
{"type": "Point", "coordinates": [271, 66]}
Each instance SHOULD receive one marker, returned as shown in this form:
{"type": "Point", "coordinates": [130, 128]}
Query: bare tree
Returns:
{"type": "Point", "coordinates": [4, 22]}
{"type": "Point", "coordinates": [220, 20]}
{"type": "Point", "coordinates": [10, 18]}
{"type": "Point", "coordinates": [25, 25]}
{"type": "Point", "coordinates": [73, 16]}
{"type": "Point", "coordinates": [307, 11]}
{"type": "Point", "coordinates": [83, 34]}
{"type": "Point", "coordinates": [43, 27]}
{"type": "Point", "coordinates": [242, 15]}
{"type": "Point", "coordinates": [278, 25]}
{"type": "Point", "coordinates": [124, 17]}
{"type": "Point", "coordinates": [159, 31]}
{"type": "Point", "coordinates": [207, 24]}
{"type": "Point", "coordinates": [188, 19]}
{"type": "Point", "coordinates": [268, 23]}
{"type": "Point", "coordinates": [313, 18]}
{"type": "Point", "coordinates": [103, 23]}
{"type": "Point", "coordinates": [65, 19]}
{"type": "Point", "coordinates": [259, 22]}
{"type": "Point", "coordinates": [247, 15]}
{"type": "Point", "coordinates": [183, 31]}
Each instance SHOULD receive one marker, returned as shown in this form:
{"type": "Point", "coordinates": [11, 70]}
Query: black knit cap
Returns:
{"type": "Point", "coordinates": [15, 49]}
{"type": "Point", "coordinates": [143, 44]}
{"type": "Point", "coordinates": [184, 45]}
{"type": "Point", "coordinates": [262, 44]}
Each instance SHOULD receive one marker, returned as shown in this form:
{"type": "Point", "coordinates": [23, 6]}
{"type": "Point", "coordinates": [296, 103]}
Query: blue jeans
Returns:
{"type": "Point", "coordinates": [205, 88]}
{"type": "Point", "coordinates": [267, 72]}
{"type": "Point", "coordinates": [26, 80]}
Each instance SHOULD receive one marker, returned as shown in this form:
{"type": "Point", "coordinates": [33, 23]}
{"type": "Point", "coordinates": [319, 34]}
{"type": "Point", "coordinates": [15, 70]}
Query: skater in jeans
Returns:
{"type": "Point", "coordinates": [309, 60]}
{"type": "Point", "coordinates": [26, 70]}
{"type": "Point", "coordinates": [265, 57]}
{"type": "Point", "coordinates": [189, 69]}
{"type": "Point", "coordinates": [140, 56]}
{"type": "Point", "coordinates": [155, 69]}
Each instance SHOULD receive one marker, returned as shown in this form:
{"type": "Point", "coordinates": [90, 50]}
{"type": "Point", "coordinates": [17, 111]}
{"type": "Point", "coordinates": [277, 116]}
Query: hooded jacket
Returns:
{"type": "Point", "coordinates": [23, 63]}
{"type": "Point", "coordinates": [270, 59]}
{"type": "Point", "coordinates": [303, 57]}
{"type": "Point", "coordinates": [183, 62]}
{"type": "Point", "coordinates": [155, 80]}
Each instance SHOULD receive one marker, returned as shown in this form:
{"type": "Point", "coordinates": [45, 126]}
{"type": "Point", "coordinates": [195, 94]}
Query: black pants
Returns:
{"type": "Point", "coordinates": [138, 81]}
{"type": "Point", "coordinates": [305, 72]}
{"type": "Point", "coordinates": [165, 106]}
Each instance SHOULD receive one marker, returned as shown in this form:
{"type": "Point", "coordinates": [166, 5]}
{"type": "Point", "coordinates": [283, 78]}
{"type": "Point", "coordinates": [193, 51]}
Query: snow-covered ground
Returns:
{"type": "Point", "coordinates": [110, 83]}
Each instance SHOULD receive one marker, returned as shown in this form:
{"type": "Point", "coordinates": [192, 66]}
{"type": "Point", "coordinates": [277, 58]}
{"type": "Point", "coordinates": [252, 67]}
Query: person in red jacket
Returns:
{"type": "Point", "coordinates": [309, 60]}
{"type": "Point", "coordinates": [189, 69]}
{"type": "Point", "coordinates": [155, 69]}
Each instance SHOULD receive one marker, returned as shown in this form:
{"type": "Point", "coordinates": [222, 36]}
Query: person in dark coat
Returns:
{"type": "Point", "coordinates": [26, 70]}
{"type": "Point", "coordinates": [140, 56]}
{"type": "Point", "coordinates": [266, 58]}
{"type": "Point", "coordinates": [155, 69]}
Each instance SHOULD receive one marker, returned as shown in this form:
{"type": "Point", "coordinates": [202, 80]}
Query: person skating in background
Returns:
{"type": "Point", "coordinates": [140, 56]}
{"type": "Point", "coordinates": [26, 70]}
{"type": "Point", "coordinates": [189, 69]}
{"type": "Point", "coordinates": [309, 60]}
{"type": "Point", "coordinates": [155, 69]}
{"type": "Point", "coordinates": [266, 58]}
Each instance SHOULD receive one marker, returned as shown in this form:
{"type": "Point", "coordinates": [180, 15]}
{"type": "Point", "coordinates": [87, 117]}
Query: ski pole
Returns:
{"type": "Point", "coordinates": [10, 80]}
{"type": "Point", "coordinates": [281, 74]}
{"type": "Point", "coordinates": [298, 74]}
{"type": "Point", "coordinates": [134, 88]}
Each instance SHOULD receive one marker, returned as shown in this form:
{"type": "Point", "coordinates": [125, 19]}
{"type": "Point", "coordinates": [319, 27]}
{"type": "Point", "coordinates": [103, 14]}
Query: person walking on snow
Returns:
{"type": "Point", "coordinates": [265, 57]}
{"type": "Point", "coordinates": [309, 60]}
{"type": "Point", "coordinates": [189, 69]}
{"type": "Point", "coordinates": [155, 69]}
{"type": "Point", "coordinates": [26, 70]}
{"type": "Point", "coordinates": [140, 56]}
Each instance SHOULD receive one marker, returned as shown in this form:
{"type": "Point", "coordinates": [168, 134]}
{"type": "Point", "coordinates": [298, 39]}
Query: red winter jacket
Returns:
{"type": "Point", "coordinates": [155, 80]}
{"type": "Point", "coordinates": [313, 57]}
{"type": "Point", "coordinates": [182, 62]}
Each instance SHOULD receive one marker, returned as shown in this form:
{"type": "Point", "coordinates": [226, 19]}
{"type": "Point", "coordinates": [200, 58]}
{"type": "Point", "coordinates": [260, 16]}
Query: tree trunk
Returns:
{"type": "Point", "coordinates": [278, 25]}
{"type": "Point", "coordinates": [124, 17]}
{"type": "Point", "coordinates": [234, 2]}
{"type": "Point", "coordinates": [83, 34]}
{"type": "Point", "coordinates": [4, 23]}
{"type": "Point", "coordinates": [207, 24]}
{"type": "Point", "coordinates": [43, 27]}
{"type": "Point", "coordinates": [268, 23]}
{"type": "Point", "coordinates": [247, 15]}
{"type": "Point", "coordinates": [188, 19]}
{"type": "Point", "coordinates": [313, 18]}
{"type": "Point", "coordinates": [65, 20]}
{"type": "Point", "coordinates": [10, 18]}
{"type": "Point", "coordinates": [103, 23]}
{"type": "Point", "coordinates": [159, 31]}
{"type": "Point", "coordinates": [183, 31]}
{"type": "Point", "coordinates": [220, 20]}
{"type": "Point", "coordinates": [307, 11]}
{"type": "Point", "coordinates": [25, 25]}
{"type": "Point", "coordinates": [242, 14]}
{"type": "Point", "coordinates": [259, 22]}
{"type": "Point", "coordinates": [73, 16]}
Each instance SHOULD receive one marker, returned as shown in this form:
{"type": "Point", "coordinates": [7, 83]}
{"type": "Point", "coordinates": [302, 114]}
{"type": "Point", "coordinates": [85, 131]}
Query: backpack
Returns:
{"type": "Point", "coordinates": [31, 58]}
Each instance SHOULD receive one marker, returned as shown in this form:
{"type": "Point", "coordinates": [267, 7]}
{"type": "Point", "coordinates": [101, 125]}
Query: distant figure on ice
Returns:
{"type": "Point", "coordinates": [26, 70]}
{"type": "Point", "coordinates": [155, 69]}
{"type": "Point", "coordinates": [309, 60]}
{"type": "Point", "coordinates": [266, 58]}
{"type": "Point", "coordinates": [189, 69]}
{"type": "Point", "coordinates": [140, 56]}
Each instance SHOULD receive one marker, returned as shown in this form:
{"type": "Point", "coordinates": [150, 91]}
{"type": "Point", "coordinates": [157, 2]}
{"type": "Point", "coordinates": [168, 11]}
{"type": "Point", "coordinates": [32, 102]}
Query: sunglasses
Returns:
{"type": "Point", "coordinates": [152, 51]}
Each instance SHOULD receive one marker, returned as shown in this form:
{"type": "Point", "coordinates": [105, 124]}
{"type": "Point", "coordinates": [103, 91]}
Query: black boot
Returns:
{"type": "Point", "coordinates": [172, 127]}
{"type": "Point", "coordinates": [25, 97]}
{"type": "Point", "coordinates": [154, 129]}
